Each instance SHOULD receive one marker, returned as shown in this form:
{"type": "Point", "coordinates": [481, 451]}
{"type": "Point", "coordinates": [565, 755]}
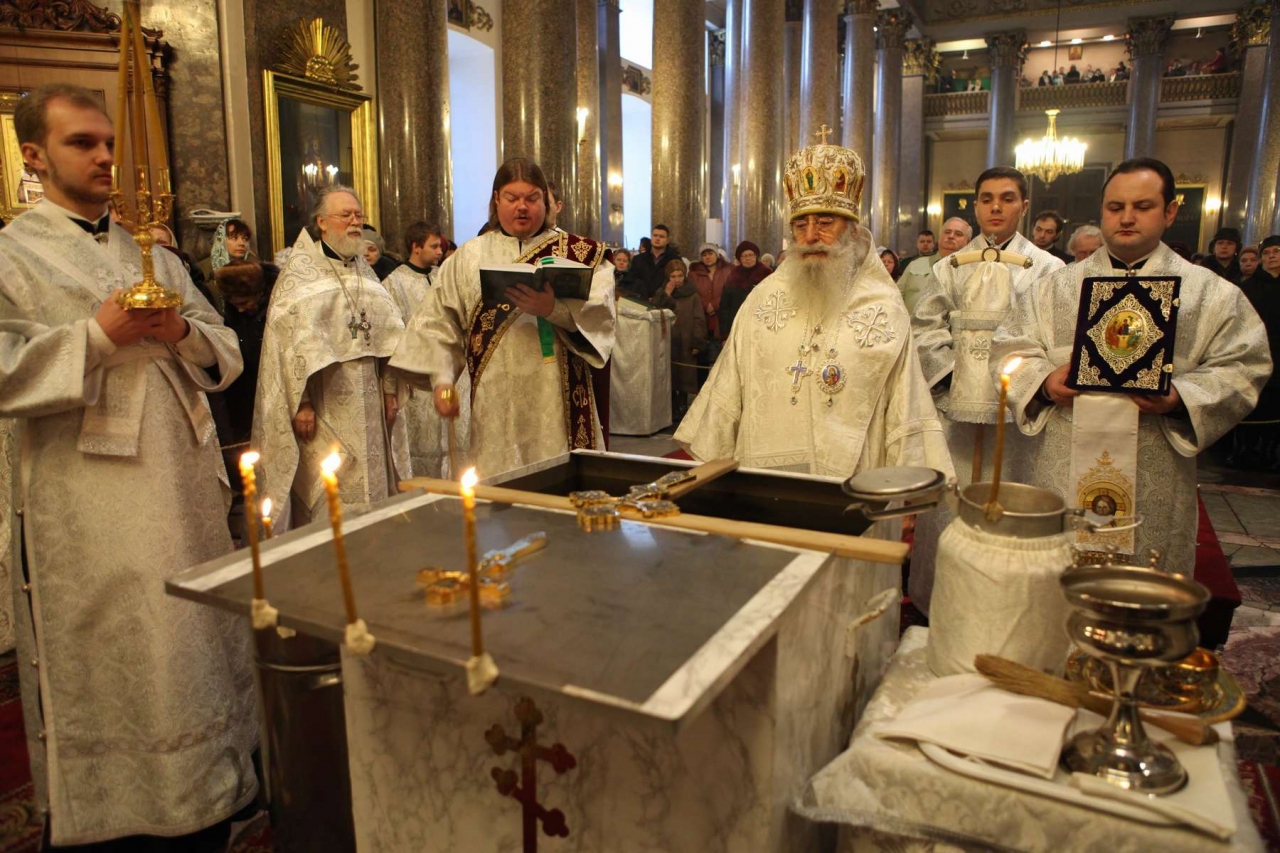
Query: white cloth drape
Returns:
{"type": "Point", "coordinates": [640, 372]}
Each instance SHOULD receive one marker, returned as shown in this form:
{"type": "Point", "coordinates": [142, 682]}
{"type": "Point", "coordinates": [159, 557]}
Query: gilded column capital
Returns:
{"type": "Point", "coordinates": [1252, 27]}
{"type": "Point", "coordinates": [715, 47]}
{"type": "Point", "coordinates": [1008, 49]}
{"type": "Point", "coordinates": [920, 58]}
{"type": "Point", "coordinates": [861, 7]}
{"type": "Point", "coordinates": [891, 28]}
{"type": "Point", "coordinates": [1147, 36]}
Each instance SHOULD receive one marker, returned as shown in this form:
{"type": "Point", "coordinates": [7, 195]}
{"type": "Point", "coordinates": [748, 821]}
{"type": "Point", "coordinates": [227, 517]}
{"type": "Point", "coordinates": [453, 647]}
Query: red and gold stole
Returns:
{"type": "Point", "coordinates": [490, 321]}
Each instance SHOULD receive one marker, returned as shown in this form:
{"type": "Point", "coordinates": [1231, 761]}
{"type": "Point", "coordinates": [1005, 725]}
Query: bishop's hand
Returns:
{"type": "Point", "coordinates": [539, 303]}
{"type": "Point", "coordinates": [446, 400]}
{"type": "Point", "coordinates": [304, 423]}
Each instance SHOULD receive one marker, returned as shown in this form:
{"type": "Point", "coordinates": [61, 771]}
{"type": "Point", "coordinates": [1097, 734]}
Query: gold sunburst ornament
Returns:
{"type": "Point", "coordinates": [318, 52]}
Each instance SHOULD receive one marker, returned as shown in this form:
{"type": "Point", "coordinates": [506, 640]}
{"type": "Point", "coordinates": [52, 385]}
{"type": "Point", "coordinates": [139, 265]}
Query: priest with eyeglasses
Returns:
{"type": "Point", "coordinates": [323, 383]}
{"type": "Point", "coordinates": [819, 374]}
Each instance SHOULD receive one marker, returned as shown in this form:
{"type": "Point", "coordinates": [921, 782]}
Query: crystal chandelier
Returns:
{"type": "Point", "coordinates": [1048, 157]}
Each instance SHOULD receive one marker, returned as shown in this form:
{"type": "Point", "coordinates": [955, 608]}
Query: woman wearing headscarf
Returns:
{"type": "Point", "coordinates": [741, 280]}
{"type": "Point", "coordinates": [709, 274]}
{"type": "Point", "coordinates": [688, 333]}
{"type": "Point", "coordinates": [890, 260]}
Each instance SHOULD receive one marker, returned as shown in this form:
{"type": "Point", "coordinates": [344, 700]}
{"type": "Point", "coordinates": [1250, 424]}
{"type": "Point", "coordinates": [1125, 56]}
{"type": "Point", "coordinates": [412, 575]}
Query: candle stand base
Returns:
{"type": "Point", "coordinates": [144, 297]}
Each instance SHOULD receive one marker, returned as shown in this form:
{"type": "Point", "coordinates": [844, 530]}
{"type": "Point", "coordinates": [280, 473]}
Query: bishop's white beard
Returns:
{"type": "Point", "coordinates": [346, 245]}
{"type": "Point", "coordinates": [822, 285]}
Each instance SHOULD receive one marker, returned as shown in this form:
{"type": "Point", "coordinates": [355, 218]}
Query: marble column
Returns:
{"type": "Point", "coordinates": [584, 199]}
{"type": "Point", "coordinates": [1145, 43]}
{"type": "Point", "coordinates": [820, 69]}
{"type": "Point", "coordinates": [715, 119]}
{"type": "Point", "coordinates": [792, 59]}
{"type": "Point", "coordinates": [919, 66]}
{"type": "Point", "coordinates": [679, 34]}
{"type": "Point", "coordinates": [760, 127]}
{"type": "Point", "coordinates": [416, 174]}
{"type": "Point", "coordinates": [1254, 25]}
{"type": "Point", "coordinates": [858, 86]}
{"type": "Point", "coordinates": [610, 121]}
{"type": "Point", "coordinates": [891, 35]}
{"type": "Point", "coordinates": [539, 89]}
{"type": "Point", "coordinates": [732, 209]}
{"type": "Point", "coordinates": [1008, 50]}
{"type": "Point", "coordinates": [1263, 210]}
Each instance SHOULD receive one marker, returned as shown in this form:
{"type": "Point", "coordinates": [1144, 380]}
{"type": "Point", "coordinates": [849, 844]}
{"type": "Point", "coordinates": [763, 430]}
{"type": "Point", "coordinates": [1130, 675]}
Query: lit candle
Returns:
{"type": "Point", "coordinates": [267, 523]}
{"type": "Point", "coordinates": [250, 479]}
{"type": "Point", "coordinates": [358, 638]}
{"type": "Point", "coordinates": [1009, 367]}
{"type": "Point", "coordinates": [481, 670]}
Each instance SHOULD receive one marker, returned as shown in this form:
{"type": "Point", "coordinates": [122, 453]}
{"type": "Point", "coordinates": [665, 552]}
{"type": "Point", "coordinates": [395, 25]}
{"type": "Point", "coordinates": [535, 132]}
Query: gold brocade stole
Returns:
{"type": "Point", "coordinates": [490, 321]}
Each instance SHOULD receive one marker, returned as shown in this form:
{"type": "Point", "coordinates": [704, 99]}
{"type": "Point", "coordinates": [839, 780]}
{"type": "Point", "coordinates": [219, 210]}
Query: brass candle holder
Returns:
{"type": "Point", "coordinates": [138, 119]}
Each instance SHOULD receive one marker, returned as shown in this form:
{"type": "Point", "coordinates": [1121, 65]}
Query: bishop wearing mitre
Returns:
{"type": "Point", "coordinates": [526, 355]}
{"type": "Point", "coordinates": [139, 707]}
{"type": "Point", "coordinates": [819, 374]}
{"type": "Point", "coordinates": [323, 383]}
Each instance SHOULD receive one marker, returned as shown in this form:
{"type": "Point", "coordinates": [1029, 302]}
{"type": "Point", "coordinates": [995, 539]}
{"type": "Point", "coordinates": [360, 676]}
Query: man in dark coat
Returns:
{"type": "Point", "coordinates": [646, 274]}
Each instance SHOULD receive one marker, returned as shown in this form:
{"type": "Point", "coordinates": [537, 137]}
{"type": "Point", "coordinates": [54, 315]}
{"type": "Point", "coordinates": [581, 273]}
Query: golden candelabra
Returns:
{"type": "Point", "coordinates": [138, 118]}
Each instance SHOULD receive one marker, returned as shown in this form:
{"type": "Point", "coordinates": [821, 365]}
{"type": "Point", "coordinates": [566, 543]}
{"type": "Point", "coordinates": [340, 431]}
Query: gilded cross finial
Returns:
{"type": "Point", "coordinates": [824, 132]}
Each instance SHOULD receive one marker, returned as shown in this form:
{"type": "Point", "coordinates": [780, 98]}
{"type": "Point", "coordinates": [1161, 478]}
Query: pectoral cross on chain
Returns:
{"type": "Point", "coordinates": [798, 372]}
{"type": "Point", "coordinates": [362, 326]}
{"type": "Point", "coordinates": [824, 132]}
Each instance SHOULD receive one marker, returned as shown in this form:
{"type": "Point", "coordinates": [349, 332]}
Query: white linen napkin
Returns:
{"type": "Point", "coordinates": [1203, 803]}
{"type": "Point", "coordinates": [967, 715]}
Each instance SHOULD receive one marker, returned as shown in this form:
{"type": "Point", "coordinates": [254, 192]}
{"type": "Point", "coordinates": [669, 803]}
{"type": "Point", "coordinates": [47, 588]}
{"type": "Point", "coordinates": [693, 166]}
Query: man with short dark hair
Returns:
{"type": "Point", "coordinates": [953, 322]}
{"type": "Point", "coordinates": [926, 247]}
{"type": "Point", "coordinates": [1048, 227]}
{"type": "Point", "coordinates": [646, 267]}
{"type": "Point", "coordinates": [139, 707]}
{"type": "Point", "coordinates": [1223, 249]}
{"type": "Point", "coordinates": [1138, 449]}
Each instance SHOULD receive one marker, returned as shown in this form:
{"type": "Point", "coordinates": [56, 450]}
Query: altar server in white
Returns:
{"type": "Point", "coordinates": [819, 374]}
{"type": "Point", "coordinates": [527, 357]}
{"type": "Point", "coordinates": [958, 311]}
{"type": "Point", "coordinates": [139, 707]}
{"type": "Point", "coordinates": [323, 381]}
{"type": "Point", "coordinates": [1220, 363]}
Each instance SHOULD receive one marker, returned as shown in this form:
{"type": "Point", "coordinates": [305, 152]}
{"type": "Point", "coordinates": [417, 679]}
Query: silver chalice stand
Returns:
{"type": "Point", "coordinates": [1131, 618]}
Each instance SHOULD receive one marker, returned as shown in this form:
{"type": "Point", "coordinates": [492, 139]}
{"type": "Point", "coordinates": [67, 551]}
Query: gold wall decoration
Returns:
{"type": "Point", "coordinates": [21, 187]}
{"type": "Point", "coordinates": [66, 16]}
{"type": "Point", "coordinates": [636, 80]}
{"type": "Point", "coordinates": [317, 135]}
{"type": "Point", "coordinates": [316, 51]}
{"type": "Point", "coordinates": [480, 18]}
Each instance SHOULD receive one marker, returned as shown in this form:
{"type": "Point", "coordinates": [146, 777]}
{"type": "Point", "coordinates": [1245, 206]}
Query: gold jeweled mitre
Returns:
{"type": "Point", "coordinates": [824, 179]}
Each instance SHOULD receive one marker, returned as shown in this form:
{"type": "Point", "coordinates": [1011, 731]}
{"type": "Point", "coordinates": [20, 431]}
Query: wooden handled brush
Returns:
{"type": "Point", "coordinates": [1026, 681]}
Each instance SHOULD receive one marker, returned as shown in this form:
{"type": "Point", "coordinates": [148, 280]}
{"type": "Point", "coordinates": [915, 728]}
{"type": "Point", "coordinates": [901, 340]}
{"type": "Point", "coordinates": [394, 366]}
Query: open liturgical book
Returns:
{"type": "Point", "coordinates": [568, 279]}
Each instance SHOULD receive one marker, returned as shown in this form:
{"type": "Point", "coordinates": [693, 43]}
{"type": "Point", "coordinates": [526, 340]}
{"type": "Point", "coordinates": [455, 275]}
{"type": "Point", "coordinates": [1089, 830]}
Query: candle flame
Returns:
{"type": "Point", "coordinates": [469, 479]}
{"type": "Point", "coordinates": [249, 457]}
{"type": "Point", "coordinates": [266, 507]}
{"type": "Point", "coordinates": [1011, 365]}
{"type": "Point", "coordinates": [331, 462]}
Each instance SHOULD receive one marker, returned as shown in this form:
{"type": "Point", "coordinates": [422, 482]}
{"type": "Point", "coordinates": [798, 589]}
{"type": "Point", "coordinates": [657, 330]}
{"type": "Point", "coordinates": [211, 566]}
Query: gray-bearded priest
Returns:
{"type": "Point", "coordinates": [819, 374]}
{"type": "Point", "coordinates": [139, 707]}
{"type": "Point", "coordinates": [1135, 454]}
{"type": "Point", "coordinates": [323, 379]}
{"type": "Point", "coordinates": [527, 356]}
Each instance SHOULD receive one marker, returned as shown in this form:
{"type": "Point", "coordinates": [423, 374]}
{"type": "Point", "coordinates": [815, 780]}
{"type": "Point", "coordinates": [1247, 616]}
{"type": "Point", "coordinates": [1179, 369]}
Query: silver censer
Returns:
{"type": "Point", "coordinates": [1131, 618]}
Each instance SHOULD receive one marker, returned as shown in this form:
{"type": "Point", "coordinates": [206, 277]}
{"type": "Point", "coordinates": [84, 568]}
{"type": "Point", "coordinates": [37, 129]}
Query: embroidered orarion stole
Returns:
{"type": "Point", "coordinates": [490, 321]}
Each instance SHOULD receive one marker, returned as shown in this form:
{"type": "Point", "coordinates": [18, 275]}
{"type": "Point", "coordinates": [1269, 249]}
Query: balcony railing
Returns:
{"type": "Point", "coordinates": [1074, 96]}
{"type": "Point", "coordinates": [1202, 87]}
{"type": "Point", "coordinates": [956, 104]}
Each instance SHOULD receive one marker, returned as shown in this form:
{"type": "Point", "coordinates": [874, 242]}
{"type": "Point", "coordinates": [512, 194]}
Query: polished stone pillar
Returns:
{"type": "Point", "coordinates": [1008, 50]}
{"type": "Point", "coordinates": [1263, 210]}
{"type": "Point", "coordinates": [891, 35]}
{"type": "Point", "coordinates": [858, 86]}
{"type": "Point", "coordinates": [919, 66]}
{"type": "Point", "coordinates": [820, 69]}
{"type": "Point", "coordinates": [760, 127]}
{"type": "Point", "coordinates": [792, 59]}
{"type": "Point", "coordinates": [715, 120]}
{"type": "Point", "coordinates": [585, 200]}
{"type": "Point", "coordinates": [416, 181]}
{"type": "Point", "coordinates": [610, 122]}
{"type": "Point", "coordinates": [539, 88]}
{"type": "Point", "coordinates": [1145, 44]}
{"type": "Point", "coordinates": [732, 209]}
{"type": "Point", "coordinates": [679, 35]}
{"type": "Point", "coordinates": [1254, 25]}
